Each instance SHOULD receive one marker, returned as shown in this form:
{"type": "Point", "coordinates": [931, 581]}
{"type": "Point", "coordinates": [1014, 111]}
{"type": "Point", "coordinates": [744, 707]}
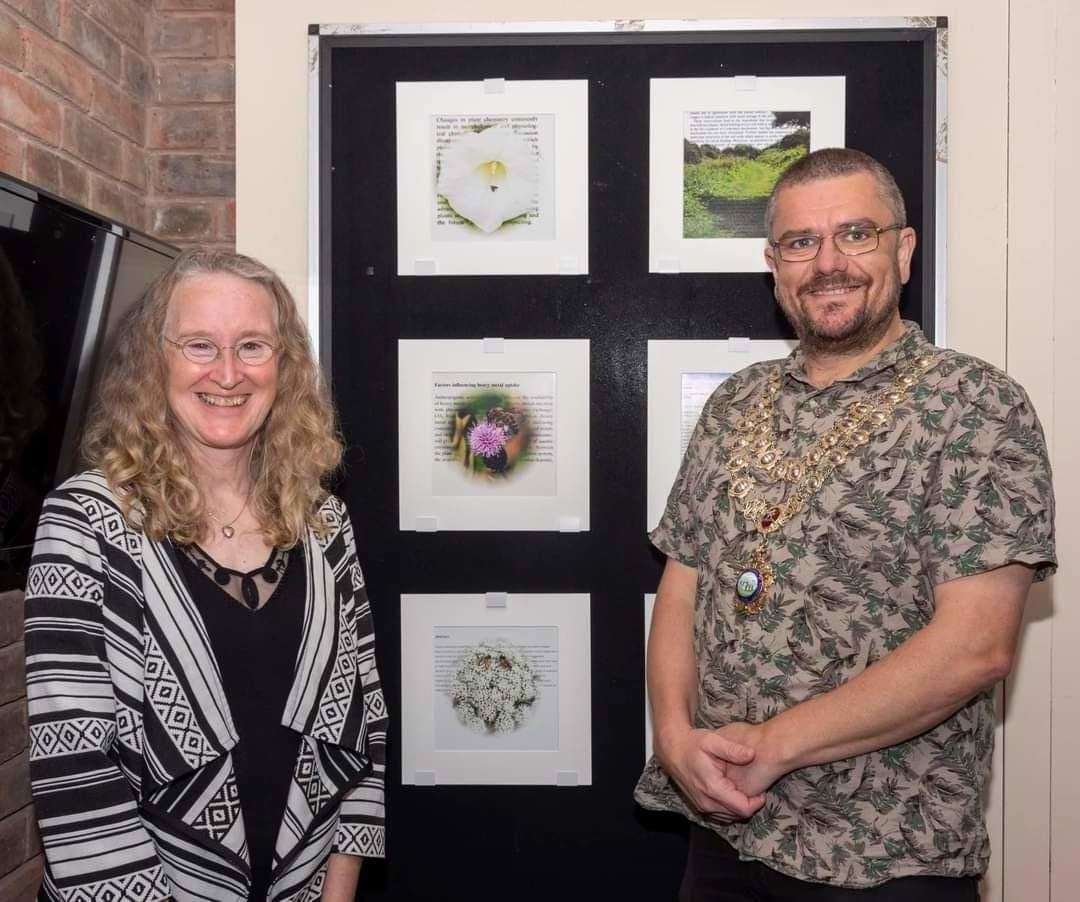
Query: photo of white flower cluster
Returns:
{"type": "Point", "coordinates": [494, 688]}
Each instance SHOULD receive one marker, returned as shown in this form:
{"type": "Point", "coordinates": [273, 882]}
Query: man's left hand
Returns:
{"type": "Point", "coordinates": [765, 768]}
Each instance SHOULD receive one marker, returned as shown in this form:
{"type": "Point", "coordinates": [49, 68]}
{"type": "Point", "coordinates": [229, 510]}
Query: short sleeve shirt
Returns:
{"type": "Point", "coordinates": [957, 483]}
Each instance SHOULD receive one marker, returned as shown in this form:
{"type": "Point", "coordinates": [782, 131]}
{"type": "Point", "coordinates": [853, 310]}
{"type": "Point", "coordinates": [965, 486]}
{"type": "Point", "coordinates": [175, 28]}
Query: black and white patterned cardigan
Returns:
{"type": "Point", "coordinates": [130, 730]}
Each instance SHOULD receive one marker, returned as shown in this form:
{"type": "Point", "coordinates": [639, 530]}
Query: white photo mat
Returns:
{"type": "Point", "coordinates": [558, 128]}
{"type": "Point", "coordinates": [682, 375]}
{"type": "Point", "coordinates": [536, 391]}
{"type": "Point", "coordinates": [553, 747]}
{"type": "Point", "coordinates": [672, 100]}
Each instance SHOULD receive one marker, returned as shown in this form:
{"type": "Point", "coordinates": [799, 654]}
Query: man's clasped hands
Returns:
{"type": "Point", "coordinates": [723, 773]}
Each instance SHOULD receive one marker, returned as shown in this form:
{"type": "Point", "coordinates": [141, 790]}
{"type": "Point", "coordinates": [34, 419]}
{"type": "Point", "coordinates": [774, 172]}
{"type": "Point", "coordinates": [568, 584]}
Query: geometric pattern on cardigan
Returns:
{"type": "Point", "coordinates": [375, 705]}
{"type": "Point", "coordinates": [63, 582]}
{"type": "Point", "coordinates": [141, 726]}
{"type": "Point", "coordinates": [109, 523]}
{"type": "Point", "coordinates": [310, 780]}
{"type": "Point", "coordinates": [221, 812]}
{"type": "Point", "coordinates": [144, 884]}
{"type": "Point", "coordinates": [166, 694]}
{"type": "Point", "coordinates": [341, 689]}
{"type": "Point", "coordinates": [66, 737]}
{"type": "Point", "coordinates": [364, 837]}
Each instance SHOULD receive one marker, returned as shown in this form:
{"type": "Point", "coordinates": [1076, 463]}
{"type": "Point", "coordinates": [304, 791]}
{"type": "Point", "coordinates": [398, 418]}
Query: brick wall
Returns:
{"type": "Point", "coordinates": [20, 851]}
{"type": "Point", "coordinates": [191, 123]}
{"type": "Point", "coordinates": [124, 107]}
{"type": "Point", "coordinates": [74, 83]}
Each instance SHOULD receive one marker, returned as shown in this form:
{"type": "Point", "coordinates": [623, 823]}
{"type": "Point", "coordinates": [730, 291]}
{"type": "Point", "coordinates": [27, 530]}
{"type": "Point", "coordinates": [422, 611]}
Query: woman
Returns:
{"type": "Point", "coordinates": [205, 711]}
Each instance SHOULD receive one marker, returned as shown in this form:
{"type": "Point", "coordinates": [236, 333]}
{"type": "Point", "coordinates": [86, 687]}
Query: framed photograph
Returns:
{"type": "Point", "coordinates": [494, 435]}
{"type": "Point", "coordinates": [495, 689]}
{"type": "Point", "coordinates": [717, 147]}
{"type": "Point", "coordinates": [682, 377]}
{"type": "Point", "coordinates": [492, 177]}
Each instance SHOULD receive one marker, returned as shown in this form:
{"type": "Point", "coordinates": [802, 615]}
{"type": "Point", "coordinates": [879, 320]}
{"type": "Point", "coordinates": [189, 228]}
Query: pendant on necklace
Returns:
{"type": "Point", "coordinates": [754, 582]}
{"type": "Point", "coordinates": [228, 532]}
{"type": "Point", "coordinates": [749, 586]}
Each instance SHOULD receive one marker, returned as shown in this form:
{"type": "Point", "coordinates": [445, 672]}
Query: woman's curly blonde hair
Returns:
{"type": "Point", "coordinates": [133, 438]}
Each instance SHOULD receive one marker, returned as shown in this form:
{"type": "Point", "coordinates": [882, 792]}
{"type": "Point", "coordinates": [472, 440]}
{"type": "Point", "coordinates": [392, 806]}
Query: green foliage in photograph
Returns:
{"type": "Point", "coordinates": [480, 402]}
{"type": "Point", "coordinates": [697, 223]}
{"type": "Point", "coordinates": [716, 181]}
{"type": "Point", "coordinates": [737, 177]}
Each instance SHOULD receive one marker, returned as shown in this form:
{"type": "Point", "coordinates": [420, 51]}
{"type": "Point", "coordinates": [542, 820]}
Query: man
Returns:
{"type": "Point", "coordinates": [850, 543]}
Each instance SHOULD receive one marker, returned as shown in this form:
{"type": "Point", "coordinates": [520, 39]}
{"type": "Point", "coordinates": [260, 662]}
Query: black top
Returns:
{"type": "Point", "coordinates": [254, 621]}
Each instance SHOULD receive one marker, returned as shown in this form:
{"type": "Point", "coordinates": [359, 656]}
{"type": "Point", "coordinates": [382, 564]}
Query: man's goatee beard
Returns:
{"type": "Point", "coordinates": [861, 333]}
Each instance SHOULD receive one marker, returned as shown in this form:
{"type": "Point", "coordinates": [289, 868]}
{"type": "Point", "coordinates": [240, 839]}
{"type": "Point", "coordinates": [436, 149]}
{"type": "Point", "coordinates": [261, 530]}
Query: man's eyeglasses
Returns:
{"type": "Point", "coordinates": [851, 242]}
{"type": "Point", "coordinates": [252, 351]}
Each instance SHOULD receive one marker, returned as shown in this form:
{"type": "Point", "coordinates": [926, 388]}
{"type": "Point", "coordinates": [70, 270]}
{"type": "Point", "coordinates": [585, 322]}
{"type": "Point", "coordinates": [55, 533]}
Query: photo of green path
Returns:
{"type": "Point", "coordinates": [731, 167]}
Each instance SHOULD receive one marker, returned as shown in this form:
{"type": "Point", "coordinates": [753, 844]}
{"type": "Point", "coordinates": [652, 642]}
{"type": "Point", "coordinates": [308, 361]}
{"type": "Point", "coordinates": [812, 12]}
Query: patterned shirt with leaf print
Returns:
{"type": "Point", "coordinates": [957, 484]}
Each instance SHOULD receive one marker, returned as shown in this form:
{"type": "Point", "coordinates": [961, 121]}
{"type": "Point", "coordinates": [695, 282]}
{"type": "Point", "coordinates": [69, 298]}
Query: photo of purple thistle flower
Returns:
{"type": "Point", "coordinates": [487, 439]}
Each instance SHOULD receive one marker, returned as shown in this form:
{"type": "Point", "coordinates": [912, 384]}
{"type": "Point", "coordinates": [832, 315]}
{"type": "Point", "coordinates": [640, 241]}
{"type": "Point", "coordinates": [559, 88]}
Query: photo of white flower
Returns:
{"type": "Point", "coordinates": [489, 177]}
{"type": "Point", "coordinates": [494, 688]}
{"type": "Point", "coordinates": [492, 177]}
{"type": "Point", "coordinates": [481, 165]}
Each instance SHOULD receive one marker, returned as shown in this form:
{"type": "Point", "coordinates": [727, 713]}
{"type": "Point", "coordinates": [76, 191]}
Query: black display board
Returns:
{"type": "Point", "coordinates": [525, 843]}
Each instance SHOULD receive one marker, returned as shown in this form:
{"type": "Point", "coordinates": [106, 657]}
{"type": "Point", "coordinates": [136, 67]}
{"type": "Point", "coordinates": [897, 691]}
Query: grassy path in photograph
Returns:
{"type": "Point", "coordinates": [729, 177]}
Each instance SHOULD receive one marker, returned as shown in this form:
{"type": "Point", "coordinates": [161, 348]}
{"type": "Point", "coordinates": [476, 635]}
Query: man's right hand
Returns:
{"type": "Point", "coordinates": [697, 760]}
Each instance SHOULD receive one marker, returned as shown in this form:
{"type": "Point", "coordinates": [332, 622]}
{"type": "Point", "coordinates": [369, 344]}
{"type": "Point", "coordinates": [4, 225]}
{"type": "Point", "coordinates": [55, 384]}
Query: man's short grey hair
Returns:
{"type": "Point", "coordinates": [834, 162]}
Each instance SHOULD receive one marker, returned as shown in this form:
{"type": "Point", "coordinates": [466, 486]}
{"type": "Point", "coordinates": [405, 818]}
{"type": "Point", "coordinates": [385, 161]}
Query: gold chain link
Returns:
{"type": "Point", "coordinates": [806, 474]}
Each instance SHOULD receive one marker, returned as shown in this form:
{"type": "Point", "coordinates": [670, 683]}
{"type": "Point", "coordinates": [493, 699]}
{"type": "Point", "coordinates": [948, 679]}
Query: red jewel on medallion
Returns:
{"type": "Point", "coordinates": [770, 518]}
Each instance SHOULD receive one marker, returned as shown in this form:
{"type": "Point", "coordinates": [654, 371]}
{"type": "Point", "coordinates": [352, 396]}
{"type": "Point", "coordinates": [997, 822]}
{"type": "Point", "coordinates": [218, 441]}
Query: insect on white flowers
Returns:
{"type": "Point", "coordinates": [494, 688]}
{"type": "Point", "coordinates": [489, 177]}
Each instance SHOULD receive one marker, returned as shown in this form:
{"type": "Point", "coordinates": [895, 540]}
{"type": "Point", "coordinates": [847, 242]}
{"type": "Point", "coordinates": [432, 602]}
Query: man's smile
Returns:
{"type": "Point", "coordinates": [830, 289]}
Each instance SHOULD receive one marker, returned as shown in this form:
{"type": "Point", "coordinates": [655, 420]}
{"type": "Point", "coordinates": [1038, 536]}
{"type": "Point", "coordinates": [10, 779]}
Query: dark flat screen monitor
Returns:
{"type": "Point", "coordinates": [66, 278]}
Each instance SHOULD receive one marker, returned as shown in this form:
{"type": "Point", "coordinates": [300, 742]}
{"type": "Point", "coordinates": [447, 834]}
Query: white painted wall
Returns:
{"type": "Point", "coordinates": [1061, 342]}
{"type": "Point", "coordinates": [1014, 111]}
